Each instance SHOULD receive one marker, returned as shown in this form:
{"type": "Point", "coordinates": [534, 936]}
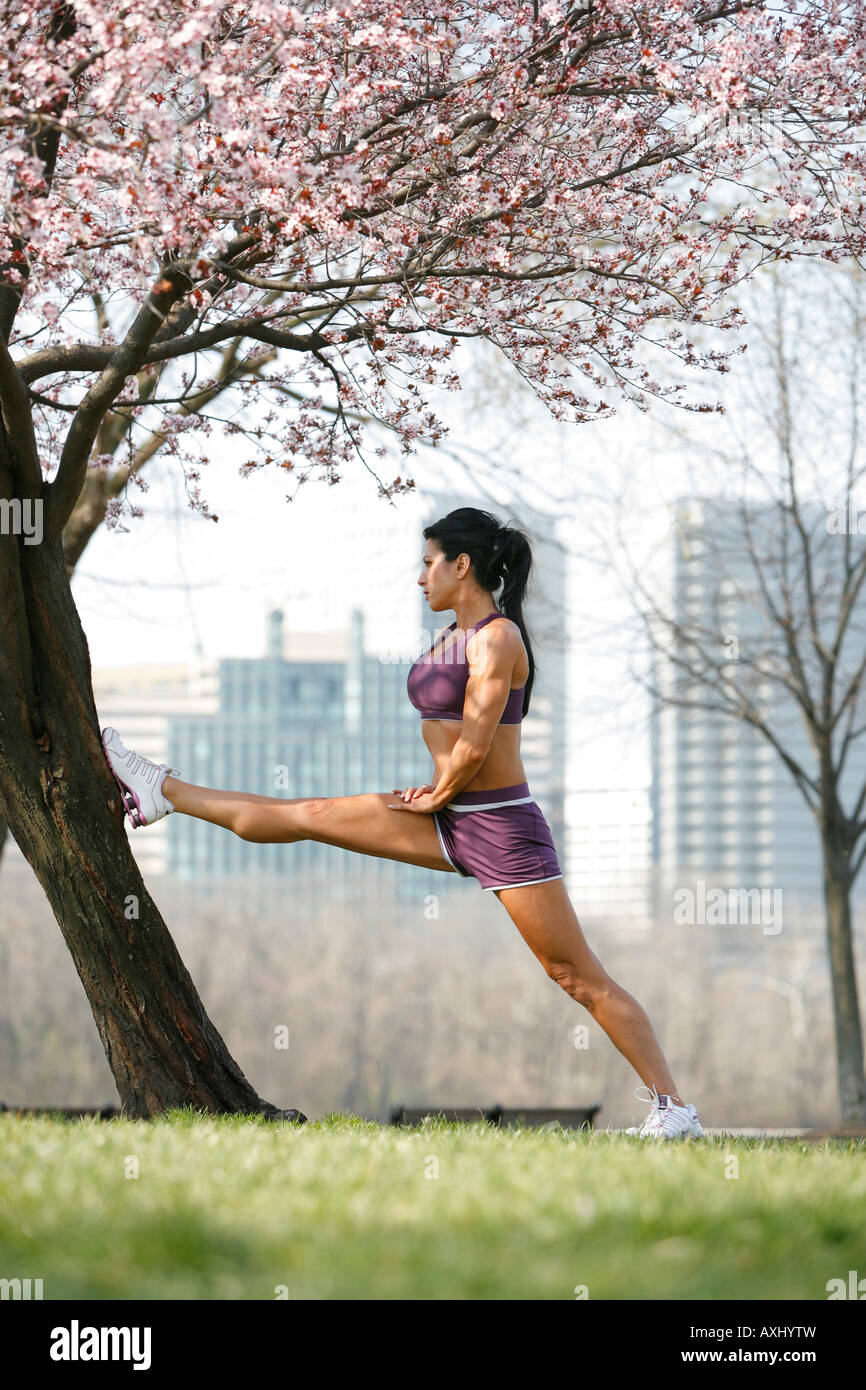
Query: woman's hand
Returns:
{"type": "Point", "coordinates": [414, 799]}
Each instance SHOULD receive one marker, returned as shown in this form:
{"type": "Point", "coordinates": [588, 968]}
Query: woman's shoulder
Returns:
{"type": "Point", "coordinates": [501, 632]}
{"type": "Point", "coordinates": [502, 623]}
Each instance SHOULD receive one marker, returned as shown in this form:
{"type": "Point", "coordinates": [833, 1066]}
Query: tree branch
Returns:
{"type": "Point", "coordinates": [125, 360]}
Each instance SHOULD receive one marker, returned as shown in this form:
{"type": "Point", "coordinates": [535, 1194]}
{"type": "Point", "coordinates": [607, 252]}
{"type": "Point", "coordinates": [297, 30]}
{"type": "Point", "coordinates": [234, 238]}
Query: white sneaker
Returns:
{"type": "Point", "coordinates": [666, 1120]}
{"type": "Point", "coordinates": [140, 781]}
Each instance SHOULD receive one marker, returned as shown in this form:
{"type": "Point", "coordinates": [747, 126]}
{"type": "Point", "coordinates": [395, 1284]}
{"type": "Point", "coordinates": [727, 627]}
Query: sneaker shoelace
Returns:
{"type": "Point", "coordinates": [142, 766]}
{"type": "Point", "coordinates": [667, 1123]}
{"type": "Point", "coordinates": [653, 1095]}
{"type": "Point", "coordinates": [150, 771]}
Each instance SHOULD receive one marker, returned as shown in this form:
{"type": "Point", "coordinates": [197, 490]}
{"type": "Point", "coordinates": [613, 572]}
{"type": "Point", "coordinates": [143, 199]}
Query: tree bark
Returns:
{"type": "Point", "coordinates": [65, 813]}
{"type": "Point", "coordinates": [846, 1010]}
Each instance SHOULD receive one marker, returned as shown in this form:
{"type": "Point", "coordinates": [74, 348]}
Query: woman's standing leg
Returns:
{"type": "Point", "coordinates": [546, 919]}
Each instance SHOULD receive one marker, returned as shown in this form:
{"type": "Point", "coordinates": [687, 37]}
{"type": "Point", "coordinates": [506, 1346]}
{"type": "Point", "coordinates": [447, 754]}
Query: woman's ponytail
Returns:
{"type": "Point", "coordinates": [513, 568]}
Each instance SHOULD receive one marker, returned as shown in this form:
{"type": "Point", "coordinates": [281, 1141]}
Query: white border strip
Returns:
{"type": "Point", "coordinates": [490, 805]}
{"type": "Point", "coordinates": [461, 872]}
{"type": "Point", "coordinates": [491, 887]}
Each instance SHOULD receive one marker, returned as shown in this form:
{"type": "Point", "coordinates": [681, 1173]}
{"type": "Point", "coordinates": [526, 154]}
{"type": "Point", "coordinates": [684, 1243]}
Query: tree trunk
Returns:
{"type": "Point", "coordinates": [846, 1011]}
{"type": "Point", "coordinates": [65, 813]}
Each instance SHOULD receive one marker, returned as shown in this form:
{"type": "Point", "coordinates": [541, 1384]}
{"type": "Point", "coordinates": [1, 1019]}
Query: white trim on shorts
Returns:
{"type": "Point", "coordinates": [492, 886]}
{"type": "Point", "coordinates": [456, 867]}
{"type": "Point", "coordinates": [490, 805]}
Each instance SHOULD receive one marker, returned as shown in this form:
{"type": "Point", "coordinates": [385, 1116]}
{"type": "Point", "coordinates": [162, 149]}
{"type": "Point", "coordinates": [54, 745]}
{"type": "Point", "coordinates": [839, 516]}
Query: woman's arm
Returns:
{"type": "Point", "coordinates": [487, 689]}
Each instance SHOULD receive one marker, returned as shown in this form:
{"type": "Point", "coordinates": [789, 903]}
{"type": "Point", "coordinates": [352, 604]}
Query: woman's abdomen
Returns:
{"type": "Point", "coordinates": [501, 768]}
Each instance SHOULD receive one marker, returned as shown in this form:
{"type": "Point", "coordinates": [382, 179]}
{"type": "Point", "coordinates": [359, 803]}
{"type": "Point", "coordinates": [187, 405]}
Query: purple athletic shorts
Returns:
{"type": "Point", "coordinates": [499, 837]}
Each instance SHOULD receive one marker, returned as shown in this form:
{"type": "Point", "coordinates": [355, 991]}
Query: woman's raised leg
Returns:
{"type": "Point", "coordinates": [361, 823]}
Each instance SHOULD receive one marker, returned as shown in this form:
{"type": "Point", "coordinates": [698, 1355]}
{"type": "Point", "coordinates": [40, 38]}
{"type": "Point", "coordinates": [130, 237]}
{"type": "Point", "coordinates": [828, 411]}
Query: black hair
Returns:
{"type": "Point", "coordinates": [498, 555]}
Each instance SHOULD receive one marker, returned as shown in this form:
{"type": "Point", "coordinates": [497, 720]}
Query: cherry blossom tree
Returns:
{"type": "Point", "coordinates": [305, 209]}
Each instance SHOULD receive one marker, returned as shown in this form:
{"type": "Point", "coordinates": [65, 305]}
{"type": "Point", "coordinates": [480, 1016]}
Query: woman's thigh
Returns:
{"type": "Point", "coordinates": [545, 918]}
{"type": "Point", "coordinates": [367, 825]}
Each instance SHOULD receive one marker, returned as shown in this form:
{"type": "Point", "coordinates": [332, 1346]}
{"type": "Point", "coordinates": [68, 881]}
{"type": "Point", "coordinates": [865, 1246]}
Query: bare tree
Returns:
{"type": "Point", "coordinates": [774, 633]}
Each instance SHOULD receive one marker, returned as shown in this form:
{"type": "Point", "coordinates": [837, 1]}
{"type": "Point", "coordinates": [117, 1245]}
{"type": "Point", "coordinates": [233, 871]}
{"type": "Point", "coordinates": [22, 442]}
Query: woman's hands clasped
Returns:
{"type": "Point", "coordinates": [414, 799]}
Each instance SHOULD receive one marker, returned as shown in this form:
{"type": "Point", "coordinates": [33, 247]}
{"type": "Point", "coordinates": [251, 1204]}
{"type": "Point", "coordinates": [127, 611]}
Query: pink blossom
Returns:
{"type": "Point", "coordinates": [352, 187]}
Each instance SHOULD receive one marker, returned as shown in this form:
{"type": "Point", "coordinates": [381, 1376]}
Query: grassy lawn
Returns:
{"type": "Point", "coordinates": [226, 1208]}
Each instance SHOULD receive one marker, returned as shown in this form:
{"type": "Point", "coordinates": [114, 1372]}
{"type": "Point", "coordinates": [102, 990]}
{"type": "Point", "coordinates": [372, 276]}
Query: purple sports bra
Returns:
{"type": "Point", "coordinates": [437, 686]}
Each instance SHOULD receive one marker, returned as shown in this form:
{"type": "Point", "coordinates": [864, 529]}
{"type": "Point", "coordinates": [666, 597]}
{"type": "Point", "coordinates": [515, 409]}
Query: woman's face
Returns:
{"type": "Point", "coordinates": [438, 577]}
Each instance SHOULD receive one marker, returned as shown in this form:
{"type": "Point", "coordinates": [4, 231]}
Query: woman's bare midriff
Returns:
{"type": "Point", "coordinates": [501, 768]}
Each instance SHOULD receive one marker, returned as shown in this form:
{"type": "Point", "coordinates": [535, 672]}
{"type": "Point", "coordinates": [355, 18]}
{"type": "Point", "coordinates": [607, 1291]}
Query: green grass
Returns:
{"type": "Point", "coordinates": [230, 1207]}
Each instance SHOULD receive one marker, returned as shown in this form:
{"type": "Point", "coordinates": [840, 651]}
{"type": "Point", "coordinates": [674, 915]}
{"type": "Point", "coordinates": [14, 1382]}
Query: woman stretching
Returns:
{"type": "Point", "coordinates": [478, 819]}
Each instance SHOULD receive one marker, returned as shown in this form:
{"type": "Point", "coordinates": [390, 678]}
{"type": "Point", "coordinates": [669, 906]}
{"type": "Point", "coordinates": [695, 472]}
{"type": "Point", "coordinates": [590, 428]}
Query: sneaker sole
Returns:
{"type": "Point", "coordinates": [131, 803]}
{"type": "Point", "coordinates": [686, 1134]}
{"type": "Point", "coordinates": [670, 1139]}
